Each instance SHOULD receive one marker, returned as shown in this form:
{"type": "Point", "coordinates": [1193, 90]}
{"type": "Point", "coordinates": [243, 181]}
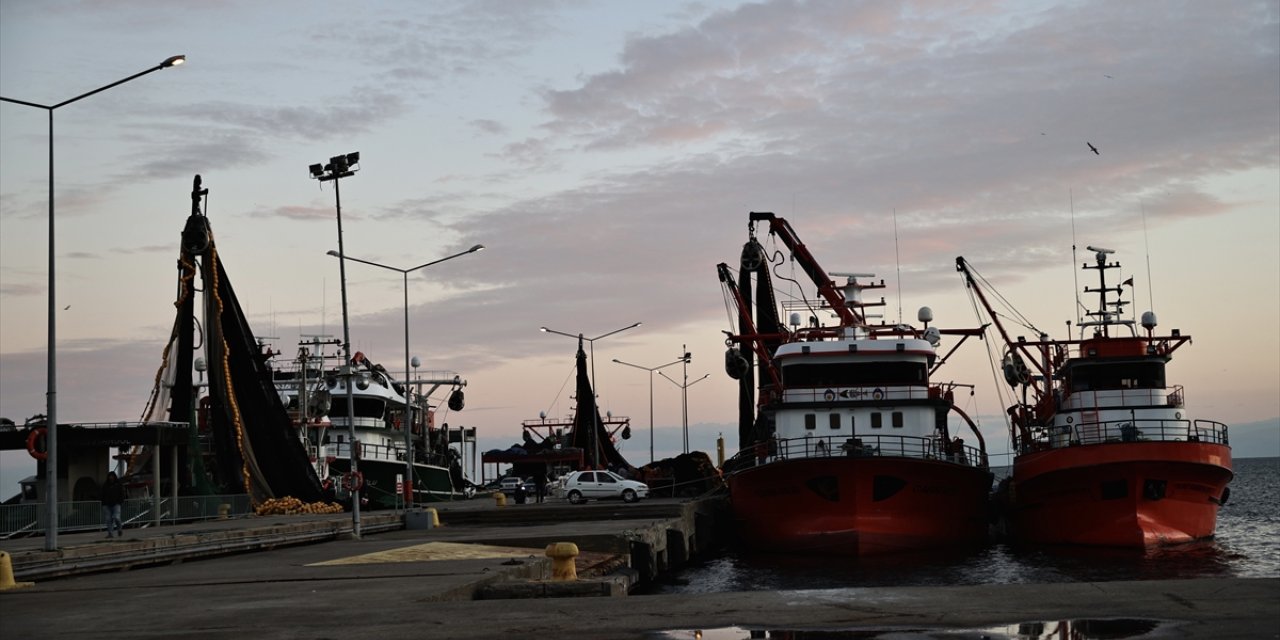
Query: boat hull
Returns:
{"type": "Point", "coordinates": [1140, 494]}
{"type": "Point", "coordinates": [431, 483]}
{"type": "Point", "coordinates": [860, 506]}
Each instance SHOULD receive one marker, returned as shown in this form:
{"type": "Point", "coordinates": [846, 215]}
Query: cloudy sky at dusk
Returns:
{"type": "Point", "coordinates": [607, 154]}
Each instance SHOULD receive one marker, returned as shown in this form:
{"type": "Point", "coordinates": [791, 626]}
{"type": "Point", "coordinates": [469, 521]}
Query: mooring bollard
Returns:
{"type": "Point", "coordinates": [562, 556]}
{"type": "Point", "coordinates": [6, 574]}
{"type": "Point", "coordinates": [500, 499]}
{"type": "Point", "coordinates": [433, 518]}
{"type": "Point", "coordinates": [224, 511]}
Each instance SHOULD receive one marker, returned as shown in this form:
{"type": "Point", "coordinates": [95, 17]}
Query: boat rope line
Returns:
{"type": "Point", "coordinates": [1017, 316]}
{"type": "Point", "coordinates": [556, 400]}
{"type": "Point", "coordinates": [991, 362]}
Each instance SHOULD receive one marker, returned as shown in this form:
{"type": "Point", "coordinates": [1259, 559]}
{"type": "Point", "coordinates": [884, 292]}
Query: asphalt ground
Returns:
{"type": "Point", "coordinates": [324, 591]}
{"type": "Point", "coordinates": [418, 584]}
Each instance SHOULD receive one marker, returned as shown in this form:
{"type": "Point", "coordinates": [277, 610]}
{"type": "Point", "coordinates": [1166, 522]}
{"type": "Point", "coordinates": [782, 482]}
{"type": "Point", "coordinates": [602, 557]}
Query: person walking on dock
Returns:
{"type": "Point", "coordinates": [112, 499]}
{"type": "Point", "coordinates": [540, 483]}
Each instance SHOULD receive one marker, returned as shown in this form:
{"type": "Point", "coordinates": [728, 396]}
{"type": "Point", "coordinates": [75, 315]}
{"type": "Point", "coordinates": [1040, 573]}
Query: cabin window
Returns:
{"type": "Point", "coordinates": [849, 374]}
{"type": "Point", "coordinates": [810, 421]}
{"type": "Point", "coordinates": [834, 420]}
{"type": "Point", "coordinates": [876, 420]}
{"type": "Point", "coordinates": [897, 419]}
{"type": "Point", "coordinates": [1118, 375]}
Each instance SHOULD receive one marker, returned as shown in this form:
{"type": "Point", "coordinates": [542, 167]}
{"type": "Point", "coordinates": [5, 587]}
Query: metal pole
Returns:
{"type": "Point", "coordinates": [346, 348]}
{"type": "Point", "coordinates": [51, 391]}
{"type": "Point", "coordinates": [408, 411]}
{"type": "Point", "coordinates": [51, 398]}
{"type": "Point", "coordinates": [684, 398]}
{"type": "Point", "coordinates": [651, 417]}
{"type": "Point", "coordinates": [595, 446]}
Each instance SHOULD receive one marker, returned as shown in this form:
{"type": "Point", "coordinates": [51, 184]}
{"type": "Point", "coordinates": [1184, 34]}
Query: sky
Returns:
{"type": "Point", "coordinates": [607, 155]}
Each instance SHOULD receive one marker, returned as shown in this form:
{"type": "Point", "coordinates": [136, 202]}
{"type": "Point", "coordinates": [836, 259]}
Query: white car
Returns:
{"type": "Point", "coordinates": [580, 486]}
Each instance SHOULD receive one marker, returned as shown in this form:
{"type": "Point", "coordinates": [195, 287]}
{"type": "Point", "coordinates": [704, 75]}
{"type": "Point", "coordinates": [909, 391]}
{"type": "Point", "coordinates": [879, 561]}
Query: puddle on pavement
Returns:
{"type": "Point", "coordinates": [1096, 629]}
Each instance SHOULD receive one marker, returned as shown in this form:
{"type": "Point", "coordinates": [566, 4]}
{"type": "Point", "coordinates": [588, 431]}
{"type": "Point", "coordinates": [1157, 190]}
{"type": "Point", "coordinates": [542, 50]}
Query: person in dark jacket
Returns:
{"type": "Point", "coordinates": [112, 499]}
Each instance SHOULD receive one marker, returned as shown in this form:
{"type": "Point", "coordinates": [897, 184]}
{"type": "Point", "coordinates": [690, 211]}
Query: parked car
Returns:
{"type": "Point", "coordinates": [580, 486]}
{"type": "Point", "coordinates": [508, 484]}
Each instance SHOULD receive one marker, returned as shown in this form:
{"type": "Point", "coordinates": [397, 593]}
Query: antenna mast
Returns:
{"type": "Point", "coordinates": [898, 259]}
{"type": "Point", "coordinates": [1074, 275]}
{"type": "Point", "coordinates": [1151, 305]}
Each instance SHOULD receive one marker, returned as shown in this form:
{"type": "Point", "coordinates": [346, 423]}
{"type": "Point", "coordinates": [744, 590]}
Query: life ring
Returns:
{"type": "Point", "coordinates": [353, 481]}
{"type": "Point", "coordinates": [38, 443]}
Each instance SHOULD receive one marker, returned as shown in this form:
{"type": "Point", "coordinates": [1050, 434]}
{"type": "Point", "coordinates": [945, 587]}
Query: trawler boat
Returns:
{"type": "Point", "coordinates": [317, 397]}
{"type": "Point", "coordinates": [1106, 451]}
{"type": "Point", "coordinates": [850, 448]}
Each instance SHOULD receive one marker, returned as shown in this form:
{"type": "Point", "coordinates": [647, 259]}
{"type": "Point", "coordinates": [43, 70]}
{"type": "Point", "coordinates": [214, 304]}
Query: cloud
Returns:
{"type": "Point", "coordinates": [492, 127]}
{"type": "Point", "coordinates": [311, 213]}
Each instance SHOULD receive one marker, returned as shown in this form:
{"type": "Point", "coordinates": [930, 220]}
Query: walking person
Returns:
{"type": "Point", "coordinates": [540, 481]}
{"type": "Point", "coordinates": [112, 499]}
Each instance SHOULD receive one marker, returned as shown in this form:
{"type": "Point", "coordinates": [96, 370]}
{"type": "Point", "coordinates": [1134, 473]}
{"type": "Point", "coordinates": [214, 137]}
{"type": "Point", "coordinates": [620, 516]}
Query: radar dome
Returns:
{"type": "Point", "coordinates": [1148, 320]}
{"type": "Point", "coordinates": [925, 314]}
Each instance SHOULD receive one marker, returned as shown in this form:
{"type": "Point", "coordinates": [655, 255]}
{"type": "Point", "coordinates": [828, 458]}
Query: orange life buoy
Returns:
{"type": "Point", "coordinates": [38, 443]}
{"type": "Point", "coordinates": [353, 481]}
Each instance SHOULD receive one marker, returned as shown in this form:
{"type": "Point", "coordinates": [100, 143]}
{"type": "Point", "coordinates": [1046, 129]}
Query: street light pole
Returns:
{"type": "Point", "coordinates": [408, 411]}
{"type": "Point", "coordinates": [344, 166]}
{"type": "Point", "coordinates": [650, 370]}
{"type": "Point", "coordinates": [51, 392]}
{"type": "Point", "coordinates": [684, 393]}
{"type": "Point", "coordinates": [595, 446]}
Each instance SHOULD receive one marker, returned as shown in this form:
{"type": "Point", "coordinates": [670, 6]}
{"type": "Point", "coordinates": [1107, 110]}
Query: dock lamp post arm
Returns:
{"type": "Point", "coordinates": [51, 392]}
{"type": "Point", "coordinates": [650, 370]}
{"type": "Point", "coordinates": [595, 448]}
{"type": "Point", "coordinates": [408, 410]}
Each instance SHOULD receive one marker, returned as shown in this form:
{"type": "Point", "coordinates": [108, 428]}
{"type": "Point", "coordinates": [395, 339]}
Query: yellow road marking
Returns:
{"type": "Point", "coordinates": [435, 551]}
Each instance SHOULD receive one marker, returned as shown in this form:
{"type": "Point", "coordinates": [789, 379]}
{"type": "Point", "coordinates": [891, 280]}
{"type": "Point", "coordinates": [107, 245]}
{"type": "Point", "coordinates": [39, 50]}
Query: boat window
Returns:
{"type": "Point", "coordinates": [850, 374]}
{"type": "Point", "coordinates": [1118, 375]}
{"type": "Point", "coordinates": [834, 420]}
{"type": "Point", "coordinates": [876, 420]}
{"type": "Point", "coordinates": [810, 421]}
{"type": "Point", "coordinates": [364, 407]}
{"type": "Point", "coordinates": [897, 419]}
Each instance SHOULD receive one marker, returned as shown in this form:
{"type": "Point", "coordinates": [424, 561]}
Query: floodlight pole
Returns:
{"type": "Point", "coordinates": [51, 391]}
{"type": "Point", "coordinates": [342, 167]}
{"type": "Point", "coordinates": [408, 410]}
{"type": "Point", "coordinates": [595, 446]}
{"type": "Point", "coordinates": [650, 370]}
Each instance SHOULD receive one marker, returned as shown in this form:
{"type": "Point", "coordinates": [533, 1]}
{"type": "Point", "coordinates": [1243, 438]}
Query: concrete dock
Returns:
{"type": "Point", "coordinates": [306, 577]}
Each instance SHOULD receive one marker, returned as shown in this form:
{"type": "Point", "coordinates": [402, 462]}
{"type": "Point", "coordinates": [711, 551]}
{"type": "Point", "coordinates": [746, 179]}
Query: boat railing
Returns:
{"type": "Point", "coordinates": [1171, 396]}
{"type": "Point", "coordinates": [1129, 430]}
{"type": "Point", "coordinates": [863, 446]}
{"type": "Point", "coordinates": [31, 518]}
{"type": "Point", "coordinates": [385, 453]}
{"type": "Point", "coordinates": [894, 392]}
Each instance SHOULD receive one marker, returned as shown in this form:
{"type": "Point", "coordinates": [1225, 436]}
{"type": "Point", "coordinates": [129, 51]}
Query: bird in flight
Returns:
{"type": "Point", "coordinates": [1093, 149]}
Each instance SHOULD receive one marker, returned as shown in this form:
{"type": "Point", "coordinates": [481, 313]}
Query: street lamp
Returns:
{"type": "Point", "coordinates": [595, 448]}
{"type": "Point", "coordinates": [684, 393]}
{"type": "Point", "coordinates": [650, 370]}
{"type": "Point", "coordinates": [408, 412]}
{"type": "Point", "coordinates": [344, 166]}
{"type": "Point", "coordinates": [51, 393]}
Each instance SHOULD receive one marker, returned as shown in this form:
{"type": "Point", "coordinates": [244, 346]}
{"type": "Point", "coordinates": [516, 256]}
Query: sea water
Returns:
{"type": "Point", "coordinates": [1247, 544]}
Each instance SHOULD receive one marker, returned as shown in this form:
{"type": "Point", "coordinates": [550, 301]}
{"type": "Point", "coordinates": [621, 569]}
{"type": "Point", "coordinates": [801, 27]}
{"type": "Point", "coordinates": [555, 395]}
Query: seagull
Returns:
{"type": "Point", "coordinates": [1105, 75]}
{"type": "Point", "coordinates": [1093, 149]}
{"type": "Point", "coordinates": [66, 307]}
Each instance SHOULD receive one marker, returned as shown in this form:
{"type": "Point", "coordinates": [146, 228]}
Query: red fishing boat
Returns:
{"type": "Point", "coordinates": [849, 449]}
{"type": "Point", "coordinates": [1106, 452]}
